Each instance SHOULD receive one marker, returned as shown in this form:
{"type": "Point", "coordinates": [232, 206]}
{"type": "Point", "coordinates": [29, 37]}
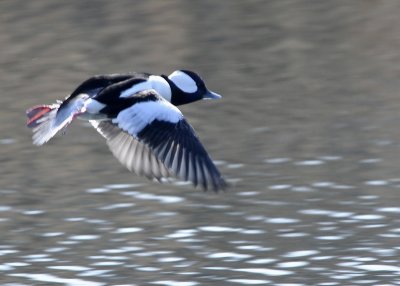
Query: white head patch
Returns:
{"type": "Point", "coordinates": [183, 81]}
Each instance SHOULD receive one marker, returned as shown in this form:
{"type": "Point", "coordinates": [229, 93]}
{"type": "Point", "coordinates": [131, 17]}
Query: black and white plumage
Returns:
{"type": "Point", "coordinates": [137, 115]}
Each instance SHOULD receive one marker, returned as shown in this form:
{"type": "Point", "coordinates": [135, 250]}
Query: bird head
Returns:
{"type": "Point", "coordinates": [187, 87]}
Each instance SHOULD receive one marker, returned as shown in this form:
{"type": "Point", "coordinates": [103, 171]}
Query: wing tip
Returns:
{"type": "Point", "coordinates": [216, 186]}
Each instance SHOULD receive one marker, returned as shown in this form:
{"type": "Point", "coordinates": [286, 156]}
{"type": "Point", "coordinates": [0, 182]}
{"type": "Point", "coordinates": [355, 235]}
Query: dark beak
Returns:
{"type": "Point", "coordinates": [211, 95]}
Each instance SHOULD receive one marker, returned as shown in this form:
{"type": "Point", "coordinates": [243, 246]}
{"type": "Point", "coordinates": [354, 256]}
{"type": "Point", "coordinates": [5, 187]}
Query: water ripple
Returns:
{"type": "Point", "coordinates": [368, 217]}
{"type": "Point", "coordinates": [170, 259]}
{"type": "Point", "coordinates": [249, 281]}
{"type": "Point", "coordinates": [229, 256]}
{"type": "Point", "coordinates": [56, 249]}
{"type": "Point", "coordinates": [52, 234]}
{"type": "Point", "coordinates": [331, 237]}
{"type": "Point", "coordinates": [98, 190]}
{"type": "Point", "coordinates": [389, 209]}
{"type": "Point", "coordinates": [262, 261]}
{"type": "Point", "coordinates": [7, 141]}
{"type": "Point", "coordinates": [70, 268]}
{"type": "Point", "coordinates": [329, 213]}
{"type": "Point", "coordinates": [230, 229]}
{"type": "Point", "coordinates": [309, 163]}
{"type": "Point", "coordinates": [174, 283]}
{"type": "Point", "coordinates": [5, 267]}
{"type": "Point", "coordinates": [107, 263]}
{"type": "Point", "coordinates": [95, 273]}
{"type": "Point", "coordinates": [219, 229]}
{"type": "Point", "coordinates": [292, 264]}
{"type": "Point", "coordinates": [379, 267]}
{"type": "Point", "coordinates": [8, 251]}
{"type": "Point", "coordinates": [280, 187]}
{"type": "Point", "coordinates": [264, 271]}
{"type": "Point", "coordinates": [117, 206]}
{"type": "Point", "coordinates": [123, 186]}
{"type": "Point", "coordinates": [181, 233]}
{"type": "Point", "coordinates": [108, 257]}
{"type": "Point", "coordinates": [33, 212]}
{"type": "Point", "coordinates": [277, 160]}
{"type": "Point", "coordinates": [55, 279]}
{"type": "Point", "coordinates": [4, 208]}
{"type": "Point", "coordinates": [84, 237]}
{"type": "Point", "coordinates": [122, 249]}
{"type": "Point", "coordinates": [254, 247]}
{"type": "Point", "coordinates": [282, 220]}
{"type": "Point", "coordinates": [377, 183]}
{"type": "Point", "coordinates": [162, 199]}
{"type": "Point", "coordinates": [128, 230]}
{"type": "Point", "coordinates": [301, 253]}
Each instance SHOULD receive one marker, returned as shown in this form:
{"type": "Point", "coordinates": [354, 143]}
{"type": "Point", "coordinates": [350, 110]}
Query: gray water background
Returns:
{"type": "Point", "coordinates": [307, 132]}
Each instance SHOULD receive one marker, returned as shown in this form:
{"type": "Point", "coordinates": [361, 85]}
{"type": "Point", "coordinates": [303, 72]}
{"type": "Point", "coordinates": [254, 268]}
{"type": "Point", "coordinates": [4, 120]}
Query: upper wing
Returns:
{"type": "Point", "coordinates": [95, 84]}
{"type": "Point", "coordinates": [152, 138]}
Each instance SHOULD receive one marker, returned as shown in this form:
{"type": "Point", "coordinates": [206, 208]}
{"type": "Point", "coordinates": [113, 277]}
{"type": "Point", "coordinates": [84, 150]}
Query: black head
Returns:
{"type": "Point", "coordinates": [187, 87]}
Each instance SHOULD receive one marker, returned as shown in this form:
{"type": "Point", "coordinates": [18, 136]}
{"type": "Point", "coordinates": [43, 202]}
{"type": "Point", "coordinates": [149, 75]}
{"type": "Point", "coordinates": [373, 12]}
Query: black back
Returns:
{"type": "Point", "coordinates": [110, 96]}
{"type": "Point", "coordinates": [92, 86]}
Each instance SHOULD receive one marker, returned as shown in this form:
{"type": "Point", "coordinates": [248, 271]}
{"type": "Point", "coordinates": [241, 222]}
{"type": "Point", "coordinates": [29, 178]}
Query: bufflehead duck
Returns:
{"type": "Point", "coordinates": [137, 115]}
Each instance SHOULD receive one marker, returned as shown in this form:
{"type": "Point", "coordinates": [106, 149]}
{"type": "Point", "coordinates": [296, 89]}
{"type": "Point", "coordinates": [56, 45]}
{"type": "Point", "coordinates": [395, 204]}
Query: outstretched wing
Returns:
{"type": "Point", "coordinates": [133, 154]}
{"type": "Point", "coordinates": [152, 138]}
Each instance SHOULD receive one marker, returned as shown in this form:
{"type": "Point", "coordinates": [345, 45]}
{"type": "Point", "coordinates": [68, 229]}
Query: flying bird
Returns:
{"type": "Point", "coordinates": [137, 114]}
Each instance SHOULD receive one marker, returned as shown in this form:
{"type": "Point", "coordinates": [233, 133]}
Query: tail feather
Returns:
{"type": "Point", "coordinates": [47, 120]}
{"type": "Point", "coordinates": [42, 119]}
{"type": "Point", "coordinates": [36, 113]}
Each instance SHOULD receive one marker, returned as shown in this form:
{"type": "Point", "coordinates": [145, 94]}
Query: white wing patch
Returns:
{"type": "Point", "coordinates": [161, 86]}
{"type": "Point", "coordinates": [157, 83]}
{"type": "Point", "coordinates": [138, 116]}
{"type": "Point", "coordinates": [183, 81]}
{"type": "Point", "coordinates": [136, 88]}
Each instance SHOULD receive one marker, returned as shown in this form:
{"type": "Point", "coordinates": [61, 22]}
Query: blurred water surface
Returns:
{"type": "Point", "coordinates": [307, 132]}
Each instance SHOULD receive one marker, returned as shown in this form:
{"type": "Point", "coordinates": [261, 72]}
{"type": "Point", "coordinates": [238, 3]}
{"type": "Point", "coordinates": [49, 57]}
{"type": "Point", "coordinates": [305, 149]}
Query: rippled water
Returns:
{"type": "Point", "coordinates": [307, 132]}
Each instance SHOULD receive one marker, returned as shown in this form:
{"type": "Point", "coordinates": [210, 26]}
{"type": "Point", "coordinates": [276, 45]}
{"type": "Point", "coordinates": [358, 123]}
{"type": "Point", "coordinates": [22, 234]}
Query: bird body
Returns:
{"type": "Point", "coordinates": [137, 115]}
